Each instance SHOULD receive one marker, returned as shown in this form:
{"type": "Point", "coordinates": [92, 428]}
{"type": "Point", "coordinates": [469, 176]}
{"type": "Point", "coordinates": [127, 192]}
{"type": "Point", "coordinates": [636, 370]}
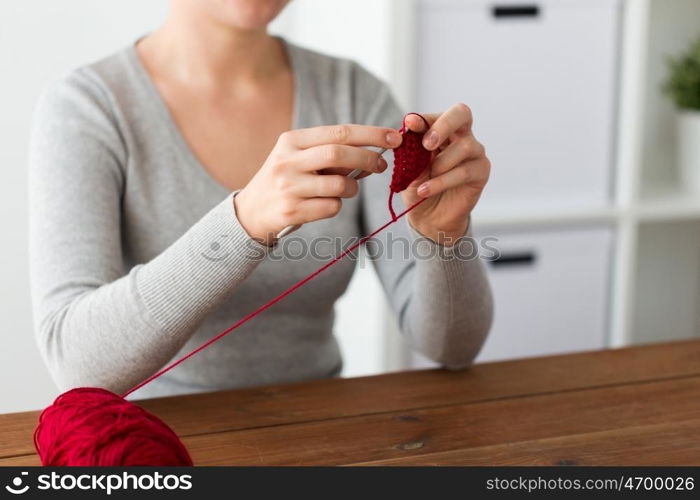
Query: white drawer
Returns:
{"type": "Point", "coordinates": [540, 77]}
{"type": "Point", "coordinates": [551, 292]}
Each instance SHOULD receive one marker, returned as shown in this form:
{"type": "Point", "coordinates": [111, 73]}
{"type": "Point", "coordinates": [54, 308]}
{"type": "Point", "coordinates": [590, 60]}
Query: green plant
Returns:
{"type": "Point", "coordinates": [683, 82]}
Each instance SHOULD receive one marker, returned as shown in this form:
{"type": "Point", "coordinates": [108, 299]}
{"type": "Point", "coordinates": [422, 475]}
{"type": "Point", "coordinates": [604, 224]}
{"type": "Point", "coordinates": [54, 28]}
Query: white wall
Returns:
{"type": "Point", "coordinates": [675, 25]}
{"type": "Point", "coordinates": [41, 39]}
{"type": "Point", "coordinates": [359, 29]}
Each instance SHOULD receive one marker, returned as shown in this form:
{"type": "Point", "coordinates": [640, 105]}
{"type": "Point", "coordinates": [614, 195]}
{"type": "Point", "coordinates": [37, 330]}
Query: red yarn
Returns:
{"type": "Point", "coordinates": [95, 427]}
{"type": "Point", "coordinates": [410, 160]}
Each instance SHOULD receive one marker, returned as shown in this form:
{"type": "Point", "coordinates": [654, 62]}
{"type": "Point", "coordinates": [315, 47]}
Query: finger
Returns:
{"type": "Point", "coordinates": [415, 123]}
{"type": "Point", "coordinates": [457, 118]}
{"type": "Point", "coordinates": [349, 135]}
{"type": "Point", "coordinates": [326, 186]}
{"type": "Point", "coordinates": [348, 171]}
{"type": "Point", "coordinates": [315, 209]}
{"type": "Point", "coordinates": [467, 148]}
{"type": "Point", "coordinates": [344, 157]}
{"type": "Point", "coordinates": [314, 186]}
{"type": "Point", "coordinates": [466, 173]}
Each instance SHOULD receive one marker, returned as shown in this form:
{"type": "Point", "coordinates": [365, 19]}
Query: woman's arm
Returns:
{"type": "Point", "coordinates": [98, 324]}
{"type": "Point", "coordinates": [442, 298]}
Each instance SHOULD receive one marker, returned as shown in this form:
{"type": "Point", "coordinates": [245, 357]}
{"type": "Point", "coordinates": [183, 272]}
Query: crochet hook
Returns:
{"type": "Point", "coordinates": [353, 175]}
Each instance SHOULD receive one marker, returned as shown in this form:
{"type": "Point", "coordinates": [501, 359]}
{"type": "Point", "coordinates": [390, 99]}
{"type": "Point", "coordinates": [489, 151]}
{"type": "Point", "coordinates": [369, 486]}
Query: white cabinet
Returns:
{"type": "Point", "coordinates": [540, 77]}
{"type": "Point", "coordinates": [551, 291]}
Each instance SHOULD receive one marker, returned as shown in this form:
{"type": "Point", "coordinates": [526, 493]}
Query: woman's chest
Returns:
{"type": "Point", "coordinates": [231, 138]}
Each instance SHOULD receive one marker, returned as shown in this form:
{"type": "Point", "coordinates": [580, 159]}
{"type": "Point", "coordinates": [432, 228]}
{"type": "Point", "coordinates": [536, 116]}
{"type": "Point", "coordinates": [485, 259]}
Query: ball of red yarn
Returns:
{"type": "Point", "coordinates": [95, 427]}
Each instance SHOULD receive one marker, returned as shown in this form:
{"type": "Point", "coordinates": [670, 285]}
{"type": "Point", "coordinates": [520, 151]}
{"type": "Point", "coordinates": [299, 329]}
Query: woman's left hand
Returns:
{"type": "Point", "coordinates": [455, 179]}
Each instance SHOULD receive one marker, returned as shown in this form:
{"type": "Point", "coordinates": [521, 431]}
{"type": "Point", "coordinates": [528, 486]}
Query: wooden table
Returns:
{"type": "Point", "coordinates": [634, 406]}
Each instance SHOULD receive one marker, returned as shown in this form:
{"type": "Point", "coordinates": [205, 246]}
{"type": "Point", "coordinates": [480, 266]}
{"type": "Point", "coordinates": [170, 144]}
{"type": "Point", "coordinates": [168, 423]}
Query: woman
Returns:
{"type": "Point", "coordinates": [161, 175]}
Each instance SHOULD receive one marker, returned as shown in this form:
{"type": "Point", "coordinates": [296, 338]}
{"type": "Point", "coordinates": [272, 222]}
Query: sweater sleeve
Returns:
{"type": "Point", "coordinates": [98, 324]}
{"type": "Point", "coordinates": [441, 295]}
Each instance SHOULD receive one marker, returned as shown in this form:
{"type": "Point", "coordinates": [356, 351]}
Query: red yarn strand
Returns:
{"type": "Point", "coordinates": [275, 300]}
{"type": "Point", "coordinates": [391, 206]}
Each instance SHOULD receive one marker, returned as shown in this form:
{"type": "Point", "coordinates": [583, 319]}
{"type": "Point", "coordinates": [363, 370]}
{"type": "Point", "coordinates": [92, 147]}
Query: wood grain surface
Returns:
{"type": "Point", "coordinates": [633, 406]}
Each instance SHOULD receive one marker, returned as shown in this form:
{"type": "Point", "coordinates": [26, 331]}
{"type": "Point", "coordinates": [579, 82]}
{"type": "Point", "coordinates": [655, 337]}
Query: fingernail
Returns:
{"type": "Point", "coordinates": [430, 141]}
{"type": "Point", "coordinates": [424, 190]}
{"type": "Point", "coordinates": [393, 139]}
{"type": "Point", "coordinates": [381, 164]}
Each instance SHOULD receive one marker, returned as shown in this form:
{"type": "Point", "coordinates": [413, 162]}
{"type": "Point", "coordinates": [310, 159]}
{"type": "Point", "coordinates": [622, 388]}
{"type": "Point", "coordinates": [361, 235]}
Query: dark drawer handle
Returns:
{"type": "Point", "coordinates": [515, 259]}
{"type": "Point", "coordinates": [511, 11]}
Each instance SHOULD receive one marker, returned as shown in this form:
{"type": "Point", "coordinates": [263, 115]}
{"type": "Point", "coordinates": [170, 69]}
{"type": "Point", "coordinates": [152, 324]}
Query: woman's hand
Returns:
{"type": "Point", "coordinates": [458, 174]}
{"type": "Point", "coordinates": [305, 176]}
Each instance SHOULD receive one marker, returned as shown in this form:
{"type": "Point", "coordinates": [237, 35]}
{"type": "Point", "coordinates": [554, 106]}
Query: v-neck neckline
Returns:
{"type": "Point", "coordinates": [174, 130]}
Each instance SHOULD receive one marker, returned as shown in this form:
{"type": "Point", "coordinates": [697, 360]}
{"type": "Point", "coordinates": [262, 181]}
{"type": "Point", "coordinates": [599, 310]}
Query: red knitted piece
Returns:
{"type": "Point", "coordinates": [410, 160]}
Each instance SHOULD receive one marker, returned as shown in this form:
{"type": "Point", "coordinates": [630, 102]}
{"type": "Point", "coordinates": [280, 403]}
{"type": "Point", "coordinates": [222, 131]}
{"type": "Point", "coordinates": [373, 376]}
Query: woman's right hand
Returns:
{"type": "Point", "coordinates": [305, 176]}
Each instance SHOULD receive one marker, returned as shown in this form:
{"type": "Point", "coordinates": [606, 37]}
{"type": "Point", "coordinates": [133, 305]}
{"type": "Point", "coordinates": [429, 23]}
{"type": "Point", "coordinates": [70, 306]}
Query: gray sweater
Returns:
{"type": "Point", "coordinates": [137, 256]}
